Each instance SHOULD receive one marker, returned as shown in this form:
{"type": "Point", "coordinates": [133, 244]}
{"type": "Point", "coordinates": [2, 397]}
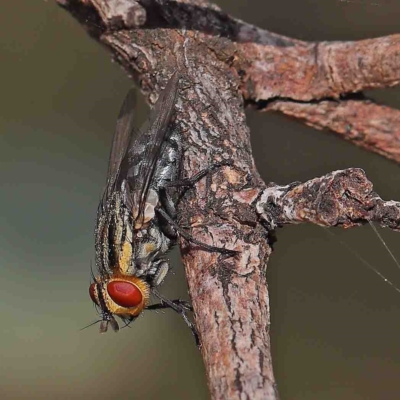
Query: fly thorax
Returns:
{"type": "Point", "coordinates": [125, 258]}
{"type": "Point", "coordinates": [168, 164]}
{"type": "Point", "coordinates": [149, 244]}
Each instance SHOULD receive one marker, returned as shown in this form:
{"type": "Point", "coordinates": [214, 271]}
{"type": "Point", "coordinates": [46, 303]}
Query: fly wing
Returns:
{"type": "Point", "coordinates": [144, 151]}
{"type": "Point", "coordinates": [124, 134]}
{"type": "Point", "coordinates": [106, 221]}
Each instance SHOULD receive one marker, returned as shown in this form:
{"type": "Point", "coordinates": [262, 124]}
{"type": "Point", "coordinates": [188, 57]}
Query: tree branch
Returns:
{"type": "Point", "coordinates": [340, 198]}
{"type": "Point", "coordinates": [217, 55]}
{"type": "Point", "coordinates": [306, 71]}
{"type": "Point", "coordinates": [117, 14]}
{"type": "Point", "coordinates": [366, 124]}
{"type": "Point", "coordinates": [271, 66]}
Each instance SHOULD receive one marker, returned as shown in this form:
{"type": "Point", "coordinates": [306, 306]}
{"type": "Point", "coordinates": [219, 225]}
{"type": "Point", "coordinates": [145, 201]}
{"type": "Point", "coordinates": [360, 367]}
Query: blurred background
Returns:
{"type": "Point", "coordinates": [335, 324]}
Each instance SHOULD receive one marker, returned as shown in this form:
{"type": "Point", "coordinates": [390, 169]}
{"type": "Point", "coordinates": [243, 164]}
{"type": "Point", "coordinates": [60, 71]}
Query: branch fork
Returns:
{"type": "Point", "coordinates": [227, 62]}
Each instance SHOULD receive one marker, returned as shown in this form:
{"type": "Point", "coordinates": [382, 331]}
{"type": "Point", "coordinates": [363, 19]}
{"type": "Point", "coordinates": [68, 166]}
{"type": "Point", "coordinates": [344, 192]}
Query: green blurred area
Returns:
{"type": "Point", "coordinates": [334, 323]}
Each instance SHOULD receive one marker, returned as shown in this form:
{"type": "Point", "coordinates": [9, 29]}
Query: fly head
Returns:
{"type": "Point", "coordinates": [119, 295]}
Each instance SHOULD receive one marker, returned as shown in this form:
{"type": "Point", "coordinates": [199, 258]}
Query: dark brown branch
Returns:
{"type": "Point", "coordinates": [217, 55]}
{"type": "Point", "coordinates": [364, 123]}
{"type": "Point", "coordinates": [229, 295]}
{"type": "Point", "coordinates": [308, 71]}
{"type": "Point", "coordinates": [271, 66]}
{"type": "Point", "coordinates": [340, 198]}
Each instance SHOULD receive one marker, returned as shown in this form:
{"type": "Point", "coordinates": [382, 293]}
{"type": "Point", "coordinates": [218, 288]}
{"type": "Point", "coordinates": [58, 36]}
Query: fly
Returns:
{"type": "Point", "coordinates": [136, 218]}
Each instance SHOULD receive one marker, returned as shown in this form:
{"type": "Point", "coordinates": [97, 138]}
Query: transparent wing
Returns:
{"type": "Point", "coordinates": [144, 149]}
{"type": "Point", "coordinates": [124, 134]}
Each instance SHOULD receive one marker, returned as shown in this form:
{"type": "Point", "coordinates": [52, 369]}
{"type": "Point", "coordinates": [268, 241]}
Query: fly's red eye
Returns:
{"type": "Point", "coordinates": [92, 293]}
{"type": "Point", "coordinates": [125, 294]}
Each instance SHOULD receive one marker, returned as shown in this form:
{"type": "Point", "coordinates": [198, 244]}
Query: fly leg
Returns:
{"type": "Point", "coordinates": [162, 306]}
{"type": "Point", "coordinates": [187, 236]}
{"type": "Point", "coordinates": [180, 307]}
{"type": "Point", "coordinates": [168, 210]}
{"type": "Point", "coordinates": [188, 182]}
{"type": "Point", "coordinates": [169, 207]}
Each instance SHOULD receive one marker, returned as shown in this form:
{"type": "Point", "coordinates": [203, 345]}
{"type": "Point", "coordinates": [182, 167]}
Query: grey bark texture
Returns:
{"type": "Point", "coordinates": [225, 62]}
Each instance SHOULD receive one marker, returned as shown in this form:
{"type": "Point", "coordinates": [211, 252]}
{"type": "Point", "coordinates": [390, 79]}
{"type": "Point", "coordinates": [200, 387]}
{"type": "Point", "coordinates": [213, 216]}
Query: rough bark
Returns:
{"type": "Point", "coordinates": [372, 126]}
{"type": "Point", "coordinates": [340, 198]}
{"type": "Point", "coordinates": [273, 69]}
{"type": "Point", "coordinates": [224, 61]}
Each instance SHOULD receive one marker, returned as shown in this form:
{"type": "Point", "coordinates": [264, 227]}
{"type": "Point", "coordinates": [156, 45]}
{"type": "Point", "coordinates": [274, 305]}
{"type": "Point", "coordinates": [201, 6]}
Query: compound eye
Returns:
{"type": "Point", "coordinates": [92, 293]}
{"type": "Point", "coordinates": [125, 294]}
